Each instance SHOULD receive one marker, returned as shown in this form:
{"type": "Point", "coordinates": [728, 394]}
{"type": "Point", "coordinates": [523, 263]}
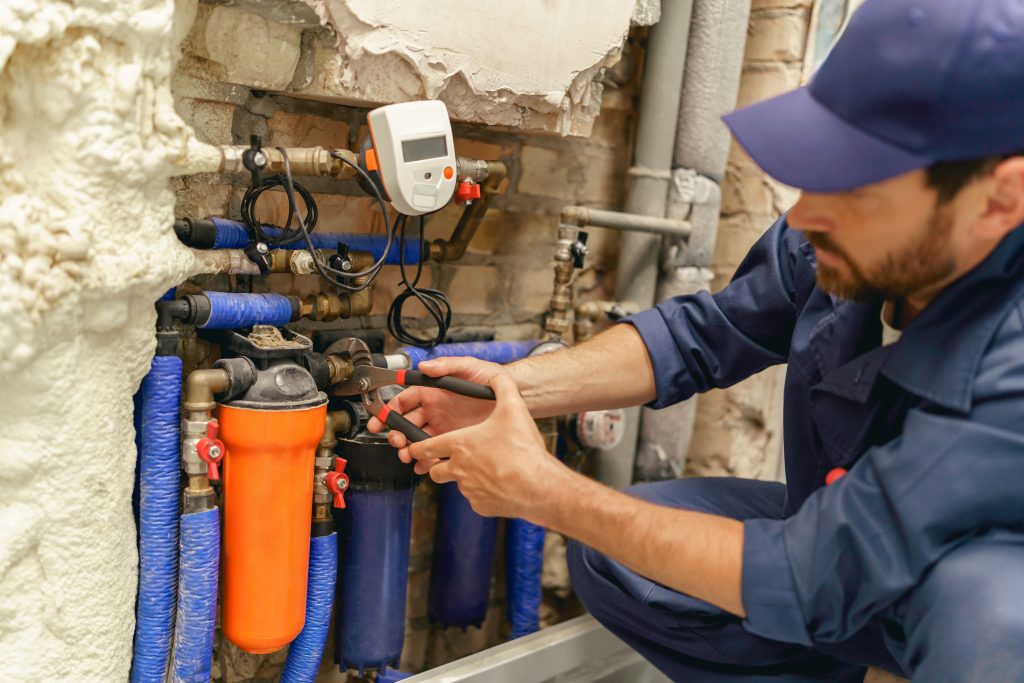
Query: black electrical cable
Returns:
{"type": "Point", "coordinates": [287, 235]}
{"type": "Point", "coordinates": [434, 301]}
{"type": "Point", "coordinates": [307, 223]}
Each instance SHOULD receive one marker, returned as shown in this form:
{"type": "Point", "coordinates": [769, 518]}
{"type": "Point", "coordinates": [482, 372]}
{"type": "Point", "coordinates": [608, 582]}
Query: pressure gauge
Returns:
{"type": "Point", "coordinates": [414, 155]}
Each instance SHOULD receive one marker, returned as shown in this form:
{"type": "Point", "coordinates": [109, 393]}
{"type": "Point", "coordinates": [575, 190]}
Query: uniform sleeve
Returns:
{"type": "Point", "coordinates": [857, 546]}
{"type": "Point", "coordinates": [701, 341]}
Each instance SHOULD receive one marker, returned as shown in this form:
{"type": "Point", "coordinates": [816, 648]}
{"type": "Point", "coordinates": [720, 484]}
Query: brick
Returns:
{"type": "Point", "coordinates": [613, 128]}
{"type": "Point", "coordinates": [530, 291]}
{"type": "Point", "coordinates": [475, 289]}
{"type": "Point", "coordinates": [777, 36]}
{"type": "Point", "coordinates": [585, 174]}
{"type": "Point", "coordinates": [761, 81]}
{"type": "Point", "coordinates": [477, 149]}
{"type": "Point", "coordinates": [211, 121]}
{"type": "Point", "coordinates": [780, 4]}
{"type": "Point", "coordinates": [389, 285]}
{"type": "Point", "coordinates": [296, 130]}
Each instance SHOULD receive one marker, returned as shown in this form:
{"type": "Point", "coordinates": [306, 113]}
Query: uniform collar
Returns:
{"type": "Point", "coordinates": [938, 355]}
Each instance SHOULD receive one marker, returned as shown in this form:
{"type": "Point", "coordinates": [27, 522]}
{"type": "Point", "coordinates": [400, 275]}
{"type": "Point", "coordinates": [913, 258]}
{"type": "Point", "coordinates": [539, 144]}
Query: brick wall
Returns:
{"type": "Point", "coordinates": [750, 445]}
{"type": "Point", "coordinates": [504, 282]}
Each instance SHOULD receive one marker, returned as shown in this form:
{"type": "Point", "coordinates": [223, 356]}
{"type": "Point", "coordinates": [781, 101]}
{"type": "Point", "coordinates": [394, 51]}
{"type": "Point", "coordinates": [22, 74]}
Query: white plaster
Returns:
{"type": "Point", "coordinates": [88, 138]}
{"type": "Point", "coordinates": [533, 63]}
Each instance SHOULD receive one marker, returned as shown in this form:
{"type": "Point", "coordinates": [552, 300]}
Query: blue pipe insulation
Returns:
{"type": "Point", "coordinates": [494, 351]}
{"type": "Point", "coordinates": [524, 563]}
{"type": "Point", "coordinates": [159, 463]}
{"type": "Point", "coordinates": [373, 540]}
{"type": "Point", "coordinates": [197, 596]}
{"type": "Point", "coordinates": [464, 542]}
{"type": "Point", "coordinates": [231, 311]}
{"type": "Point", "coordinates": [464, 545]}
{"type": "Point", "coordinates": [308, 648]}
{"type": "Point", "coordinates": [233, 235]}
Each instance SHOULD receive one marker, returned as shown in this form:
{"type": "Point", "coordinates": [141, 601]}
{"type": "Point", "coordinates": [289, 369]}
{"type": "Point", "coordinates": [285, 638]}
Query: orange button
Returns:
{"type": "Point", "coordinates": [448, 172]}
{"type": "Point", "coordinates": [370, 157]}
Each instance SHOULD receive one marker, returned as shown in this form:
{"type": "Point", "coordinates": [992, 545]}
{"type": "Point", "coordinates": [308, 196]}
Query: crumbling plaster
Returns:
{"type": "Point", "coordinates": [533, 64]}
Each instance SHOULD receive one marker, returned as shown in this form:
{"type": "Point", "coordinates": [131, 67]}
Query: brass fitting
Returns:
{"type": "Point", "coordinates": [455, 248]}
{"type": "Point", "coordinates": [200, 387]}
{"type": "Point", "coordinates": [328, 307]}
{"type": "Point", "coordinates": [334, 422]}
{"type": "Point", "coordinates": [303, 161]}
{"type": "Point", "coordinates": [586, 315]}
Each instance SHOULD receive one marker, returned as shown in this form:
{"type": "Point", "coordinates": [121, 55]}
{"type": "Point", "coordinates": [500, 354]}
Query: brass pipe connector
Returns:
{"type": "Point", "coordinates": [334, 422]}
{"type": "Point", "coordinates": [455, 248]}
{"type": "Point", "coordinates": [328, 307]}
{"type": "Point", "coordinates": [302, 161]}
{"type": "Point", "coordinates": [200, 387]}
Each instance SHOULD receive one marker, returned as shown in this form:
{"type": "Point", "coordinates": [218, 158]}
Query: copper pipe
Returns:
{"type": "Point", "coordinates": [455, 247]}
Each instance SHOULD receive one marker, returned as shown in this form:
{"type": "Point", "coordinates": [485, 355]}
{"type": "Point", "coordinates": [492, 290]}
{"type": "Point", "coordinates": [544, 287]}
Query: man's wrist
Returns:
{"type": "Point", "coordinates": [552, 493]}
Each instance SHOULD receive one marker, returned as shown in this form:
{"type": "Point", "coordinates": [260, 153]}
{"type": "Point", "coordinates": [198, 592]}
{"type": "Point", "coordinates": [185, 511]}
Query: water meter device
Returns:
{"type": "Point", "coordinates": [412, 155]}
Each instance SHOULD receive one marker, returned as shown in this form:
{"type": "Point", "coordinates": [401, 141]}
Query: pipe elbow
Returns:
{"type": "Point", "coordinates": [201, 386]}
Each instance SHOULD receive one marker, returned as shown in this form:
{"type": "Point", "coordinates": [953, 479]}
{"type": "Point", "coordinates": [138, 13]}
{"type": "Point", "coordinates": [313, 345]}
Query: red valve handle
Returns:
{"type": "Point", "coordinates": [211, 450]}
{"type": "Point", "coordinates": [337, 482]}
{"type": "Point", "coordinates": [467, 191]}
{"type": "Point", "coordinates": [835, 475]}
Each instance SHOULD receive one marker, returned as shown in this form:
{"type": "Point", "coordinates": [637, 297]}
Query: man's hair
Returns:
{"type": "Point", "coordinates": [949, 177]}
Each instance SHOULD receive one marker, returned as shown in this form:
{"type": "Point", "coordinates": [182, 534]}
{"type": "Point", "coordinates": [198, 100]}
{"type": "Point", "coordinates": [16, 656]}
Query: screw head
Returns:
{"type": "Point", "coordinates": [214, 451]}
{"type": "Point", "coordinates": [259, 158]}
{"type": "Point", "coordinates": [364, 384]}
{"type": "Point", "coordinates": [262, 248]}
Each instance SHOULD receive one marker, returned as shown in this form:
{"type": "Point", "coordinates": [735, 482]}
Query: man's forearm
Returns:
{"type": "Point", "coordinates": [692, 552]}
{"type": "Point", "coordinates": [611, 370]}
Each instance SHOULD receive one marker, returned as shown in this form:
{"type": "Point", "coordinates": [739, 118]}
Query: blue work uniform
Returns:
{"type": "Point", "coordinates": [914, 561]}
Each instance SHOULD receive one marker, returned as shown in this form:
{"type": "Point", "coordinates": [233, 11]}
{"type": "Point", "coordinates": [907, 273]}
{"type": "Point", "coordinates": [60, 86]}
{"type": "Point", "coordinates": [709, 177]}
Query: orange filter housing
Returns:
{"type": "Point", "coordinates": [268, 499]}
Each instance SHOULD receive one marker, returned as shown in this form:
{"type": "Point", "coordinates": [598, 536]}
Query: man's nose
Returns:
{"type": "Point", "coordinates": [808, 214]}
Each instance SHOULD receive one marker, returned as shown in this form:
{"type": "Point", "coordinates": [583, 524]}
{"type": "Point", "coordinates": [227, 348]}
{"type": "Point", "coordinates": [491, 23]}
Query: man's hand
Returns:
{"type": "Point", "coordinates": [501, 464]}
{"type": "Point", "coordinates": [438, 411]}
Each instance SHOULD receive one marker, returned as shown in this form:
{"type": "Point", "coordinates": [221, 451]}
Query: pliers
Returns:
{"type": "Point", "coordinates": [366, 380]}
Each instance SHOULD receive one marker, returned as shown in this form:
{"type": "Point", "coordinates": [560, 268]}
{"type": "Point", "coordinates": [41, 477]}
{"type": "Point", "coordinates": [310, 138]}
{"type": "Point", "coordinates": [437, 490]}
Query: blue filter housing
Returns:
{"type": "Point", "coordinates": [464, 544]}
{"type": "Point", "coordinates": [374, 529]}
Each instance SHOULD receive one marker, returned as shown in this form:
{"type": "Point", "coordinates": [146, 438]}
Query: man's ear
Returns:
{"type": "Point", "coordinates": [1004, 210]}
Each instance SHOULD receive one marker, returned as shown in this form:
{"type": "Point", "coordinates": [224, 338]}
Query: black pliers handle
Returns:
{"type": "Point", "coordinates": [366, 380]}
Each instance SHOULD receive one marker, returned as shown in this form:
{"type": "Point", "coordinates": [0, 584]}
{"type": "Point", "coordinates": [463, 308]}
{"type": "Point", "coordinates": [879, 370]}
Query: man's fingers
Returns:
{"type": "Point", "coordinates": [454, 366]}
{"type": "Point", "coordinates": [423, 466]}
{"type": "Point", "coordinates": [434, 448]}
{"type": "Point", "coordinates": [374, 425]}
{"type": "Point", "coordinates": [505, 389]}
{"type": "Point", "coordinates": [406, 401]}
{"type": "Point", "coordinates": [399, 441]}
{"type": "Point", "coordinates": [441, 473]}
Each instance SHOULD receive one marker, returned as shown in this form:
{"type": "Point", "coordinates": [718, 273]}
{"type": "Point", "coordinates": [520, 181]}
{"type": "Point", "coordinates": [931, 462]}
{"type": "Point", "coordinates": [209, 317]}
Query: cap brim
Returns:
{"type": "Point", "coordinates": [799, 142]}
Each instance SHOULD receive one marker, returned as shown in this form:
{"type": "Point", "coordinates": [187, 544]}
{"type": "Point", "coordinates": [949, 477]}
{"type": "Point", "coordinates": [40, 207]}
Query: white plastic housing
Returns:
{"type": "Point", "coordinates": [415, 154]}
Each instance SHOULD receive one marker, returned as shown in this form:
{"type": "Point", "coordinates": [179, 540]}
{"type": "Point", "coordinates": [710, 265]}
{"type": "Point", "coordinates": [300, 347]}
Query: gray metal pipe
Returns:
{"type": "Point", "coordinates": [718, 35]}
{"type": "Point", "coordinates": [628, 222]}
{"type": "Point", "coordinates": [651, 174]}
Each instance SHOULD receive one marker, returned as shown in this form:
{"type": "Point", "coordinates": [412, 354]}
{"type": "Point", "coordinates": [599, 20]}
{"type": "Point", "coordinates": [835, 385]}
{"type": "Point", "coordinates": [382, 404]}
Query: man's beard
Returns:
{"type": "Point", "coordinates": [915, 267]}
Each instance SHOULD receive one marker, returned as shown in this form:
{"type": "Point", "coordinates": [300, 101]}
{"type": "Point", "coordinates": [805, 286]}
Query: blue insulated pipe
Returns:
{"type": "Point", "coordinates": [464, 542]}
{"type": "Point", "coordinates": [233, 235]}
{"type": "Point", "coordinates": [460, 578]}
{"type": "Point", "coordinates": [524, 563]}
{"type": "Point", "coordinates": [231, 311]}
{"type": "Point", "coordinates": [308, 648]}
{"type": "Point", "coordinates": [373, 574]}
{"type": "Point", "coordinates": [159, 463]}
{"type": "Point", "coordinates": [197, 596]}
{"type": "Point", "coordinates": [494, 351]}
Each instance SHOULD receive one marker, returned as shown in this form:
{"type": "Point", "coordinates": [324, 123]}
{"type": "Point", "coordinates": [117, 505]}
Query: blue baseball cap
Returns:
{"type": "Point", "coordinates": [908, 84]}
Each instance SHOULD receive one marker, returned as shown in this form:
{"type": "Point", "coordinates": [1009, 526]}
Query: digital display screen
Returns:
{"type": "Point", "coordinates": [427, 148]}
